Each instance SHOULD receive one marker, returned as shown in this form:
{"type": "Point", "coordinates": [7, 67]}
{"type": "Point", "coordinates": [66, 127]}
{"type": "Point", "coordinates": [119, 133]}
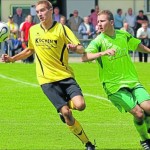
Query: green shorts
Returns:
{"type": "Point", "coordinates": [126, 99]}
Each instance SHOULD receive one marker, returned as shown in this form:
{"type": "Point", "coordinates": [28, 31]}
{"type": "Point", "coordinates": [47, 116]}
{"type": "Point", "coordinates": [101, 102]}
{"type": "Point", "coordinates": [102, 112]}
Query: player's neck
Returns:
{"type": "Point", "coordinates": [110, 33]}
{"type": "Point", "coordinates": [47, 25]}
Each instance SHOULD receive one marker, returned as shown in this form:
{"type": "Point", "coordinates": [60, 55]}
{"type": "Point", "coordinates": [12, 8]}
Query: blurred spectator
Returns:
{"type": "Point", "coordinates": [13, 28]}
{"type": "Point", "coordinates": [19, 17]}
{"type": "Point", "coordinates": [63, 20]}
{"type": "Point", "coordinates": [56, 15]}
{"type": "Point", "coordinates": [33, 14]}
{"type": "Point", "coordinates": [74, 23]}
{"type": "Point", "coordinates": [92, 10]}
{"type": "Point", "coordinates": [70, 15]}
{"type": "Point", "coordinates": [143, 33]}
{"type": "Point", "coordinates": [127, 28]}
{"type": "Point", "coordinates": [118, 19]}
{"type": "Point", "coordinates": [97, 29]}
{"type": "Point", "coordinates": [87, 31]}
{"type": "Point", "coordinates": [130, 18]}
{"type": "Point", "coordinates": [12, 43]}
{"type": "Point", "coordinates": [36, 19]}
{"type": "Point", "coordinates": [140, 18]}
{"type": "Point", "coordinates": [21, 25]}
{"type": "Point", "coordinates": [32, 10]}
{"type": "Point", "coordinates": [24, 36]}
{"type": "Point", "coordinates": [93, 16]}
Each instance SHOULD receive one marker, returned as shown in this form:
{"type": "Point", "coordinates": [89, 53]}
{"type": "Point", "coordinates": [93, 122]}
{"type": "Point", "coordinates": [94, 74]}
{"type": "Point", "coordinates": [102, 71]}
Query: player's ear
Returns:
{"type": "Point", "coordinates": [52, 10]}
{"type": "Point", "coordinates": [112, 22]}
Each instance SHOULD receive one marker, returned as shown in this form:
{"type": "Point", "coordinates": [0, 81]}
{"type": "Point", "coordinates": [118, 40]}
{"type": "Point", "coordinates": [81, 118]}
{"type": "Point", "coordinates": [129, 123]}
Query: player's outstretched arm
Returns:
{"type": "Point", "coordinates": [76, 48]}
{"type": "Point", "coordinates": [22, 55]}
{"type": "Point", "coordinates": [142, 48]}
{"type": "Point", "coordinates": [92, 56]}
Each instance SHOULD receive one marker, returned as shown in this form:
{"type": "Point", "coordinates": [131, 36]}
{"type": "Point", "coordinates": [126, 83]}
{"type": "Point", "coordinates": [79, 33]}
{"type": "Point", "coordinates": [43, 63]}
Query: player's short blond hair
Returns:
{"type": "Point", "coordinates": [108, 13]}
{"type": "Point", "coordinates": [46, 2]}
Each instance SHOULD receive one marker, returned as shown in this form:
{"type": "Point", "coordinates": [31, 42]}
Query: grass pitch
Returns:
{"type": "Point", "coordinates": [29, 121]}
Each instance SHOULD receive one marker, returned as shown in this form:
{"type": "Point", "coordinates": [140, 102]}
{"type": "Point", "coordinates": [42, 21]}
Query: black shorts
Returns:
{"type": "Point", "coordinates": [60, 92]}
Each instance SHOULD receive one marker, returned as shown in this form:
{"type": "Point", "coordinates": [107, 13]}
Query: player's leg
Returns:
{"type": "Point", "coordinates": [139, 122]}
{"type": "Point", "coordinates": [71, 105]}
{"type": "Point", "coordinates": [57, 95]}
{"type": "Point", "coordinates": [77, 103]}
{"type": "Point", "coordinates": [75, 127]}
{"type": "Point", "coordinates": [141, 127]}
{"type": "Point", "coordinates": [143, 99]}
{"type": "Point", "coordinates": [146, 107]}
{"type": "Point", "coordinates": [147, 121]}
{"type": "Point", "coordinates": [74, 93]}
{"type": "Point", "coordinates": [124, 100]}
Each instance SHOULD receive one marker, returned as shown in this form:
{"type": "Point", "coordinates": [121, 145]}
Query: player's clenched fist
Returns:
{"type": "Point", "coordinates": [72, 47]}
{"type": "Point", "coordinates": [109, 52]}
{"type": "Point", "coordinates": [6, 58]}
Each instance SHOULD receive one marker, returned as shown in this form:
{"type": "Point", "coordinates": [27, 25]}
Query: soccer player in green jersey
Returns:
{"type": "Point", "coordinates": [50, 41]}
{"type": "Point", "coordinates": [117, 72]}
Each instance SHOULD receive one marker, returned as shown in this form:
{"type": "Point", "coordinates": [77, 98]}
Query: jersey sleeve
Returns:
{"type": "Point", "coordinates": [69, 36]}
{"type": "Point", "coordinates": [94, 46]}
{"type": "Point", "coordinates": [132, 42]}
{"type": "Point", "coordinates": [30, 44]}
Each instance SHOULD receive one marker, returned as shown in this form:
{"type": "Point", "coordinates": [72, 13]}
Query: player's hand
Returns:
{"type": "Point", "coordinates": [72, 47]}
{"type": "Point", "coordinates": [6, 58]}
{"type": "Point", "coordinates": [110, 52]}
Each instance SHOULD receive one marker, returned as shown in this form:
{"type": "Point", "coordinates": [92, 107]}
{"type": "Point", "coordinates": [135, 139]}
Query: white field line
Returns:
{"type": "Point", "coordinates": [36, 85]}
{"type": "Point", "coordinates": [19, 81]}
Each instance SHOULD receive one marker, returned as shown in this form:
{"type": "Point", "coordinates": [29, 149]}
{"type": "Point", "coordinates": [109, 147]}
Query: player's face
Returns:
{"type": "Point", "coordinates": [43, 12]}
{"type": "Point", "coordinates": [105, 25]}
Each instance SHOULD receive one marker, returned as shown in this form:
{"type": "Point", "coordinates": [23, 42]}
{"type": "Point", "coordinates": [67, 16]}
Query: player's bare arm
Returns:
{"type": "Point", "coordinates": [142, 48]}
{"type": "Point", "coordinates": [76, 48]}
{"type": "Point", "coordinates": [22, 55]}
{"type": "Point", "coordinates": [92, 56]}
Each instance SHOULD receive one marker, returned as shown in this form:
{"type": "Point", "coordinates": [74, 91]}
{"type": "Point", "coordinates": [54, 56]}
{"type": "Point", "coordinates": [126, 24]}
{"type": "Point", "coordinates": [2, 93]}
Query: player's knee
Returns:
{"type": "Point", "coordinates": [139, 115]}
{"type": "Point", "coordinates": [66, 113]}
{"type": "Point", "coordinates": [80, 106]}
{"type": "Point", "coordinates": [146, 107]}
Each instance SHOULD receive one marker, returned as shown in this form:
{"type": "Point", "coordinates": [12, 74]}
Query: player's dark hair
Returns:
{"type": "Point", "coordinates": [141, 11]}
{"type": "Point", "coordinates": [118, 10]}
{"type": "Point", "coordinates": [108, 13]}
{"type": "Point", "coordinates": [46, 2]}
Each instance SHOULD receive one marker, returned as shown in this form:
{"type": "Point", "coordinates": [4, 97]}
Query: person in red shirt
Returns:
{"type": "Point", "coordinates": [24, 36]}
{"type": "Point", "coordinates": [93, 16]}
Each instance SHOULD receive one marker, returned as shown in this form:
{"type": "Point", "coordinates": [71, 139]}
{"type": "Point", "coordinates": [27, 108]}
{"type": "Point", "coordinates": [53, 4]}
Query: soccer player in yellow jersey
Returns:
{"type": "Point", "coordinates": [50, 41]}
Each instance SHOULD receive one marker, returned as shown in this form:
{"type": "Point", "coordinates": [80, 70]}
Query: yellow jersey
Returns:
{"type": "Point", "coordinates": [51, 51]}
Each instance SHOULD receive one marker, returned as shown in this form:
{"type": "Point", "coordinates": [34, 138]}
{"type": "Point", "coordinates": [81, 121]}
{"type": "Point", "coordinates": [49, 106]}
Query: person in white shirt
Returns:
{"type": "Point", "coordinates": [86, 31]}
{"type": "Point", "coordinates": [143, 33]}
{"type": "Point", "coordinates": [130, 18]}
{"type": "Point", "coordinates": [127, 28]}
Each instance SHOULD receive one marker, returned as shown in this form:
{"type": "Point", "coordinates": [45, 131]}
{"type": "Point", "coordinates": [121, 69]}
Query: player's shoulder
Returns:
{"type": "Point", "coordinates": [120, 31]}
{"type": "Point", "coordinates": [61, 25]}
{"type": "Point", "coordinates": [123, 33]}
{"type": "Point", "coordinates": [58, 27]}
{"type": "Point", "coordinates": [35, 27]}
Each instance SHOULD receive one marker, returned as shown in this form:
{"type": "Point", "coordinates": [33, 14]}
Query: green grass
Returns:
{"type": "Point", "coordinates": [29, 121]}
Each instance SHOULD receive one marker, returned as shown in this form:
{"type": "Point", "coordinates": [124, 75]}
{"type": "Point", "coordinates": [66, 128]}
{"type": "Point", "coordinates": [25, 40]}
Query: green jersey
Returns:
{"type": "Point", "coordinates": [116, 71]}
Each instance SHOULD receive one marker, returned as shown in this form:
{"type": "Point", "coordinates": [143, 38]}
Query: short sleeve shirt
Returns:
{"type": "Point", "coordinates": [51, 51]}
{"type": "Point", "coordinates": [116, 71]}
